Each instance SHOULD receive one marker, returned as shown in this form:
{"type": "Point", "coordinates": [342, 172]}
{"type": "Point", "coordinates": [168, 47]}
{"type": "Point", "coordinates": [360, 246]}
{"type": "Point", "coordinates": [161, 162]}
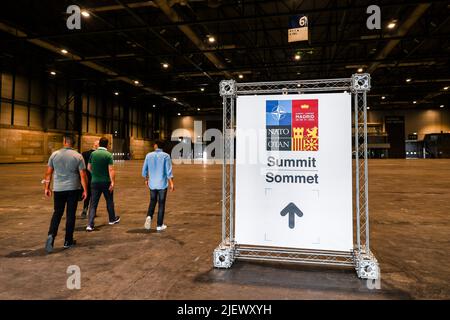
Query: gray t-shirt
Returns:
{"type": "Point", "coordinates": [66, 164]}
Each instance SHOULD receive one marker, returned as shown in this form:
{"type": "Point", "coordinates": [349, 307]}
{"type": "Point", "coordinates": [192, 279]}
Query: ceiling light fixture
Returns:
{"type": "Point", "coordinates": [116, 93]}
{"type": "Point", "coordinates": [179, 114]}
{"type": "Point", "coordinates": [297, 56]}
{"type": "Point", "coordinates": [408, 80]}
{"type": "Point", "coordinates": [174, 99]}
{"type": "Point", "coordinates": [64, 51]}
{"type": "Point", "coordinates": [241, 76]}
{"type": "Point", "coordinates": [383, 98]}
{"type": "Point", "coordinates": [198, 109]}
{"type": "Point", "coordinates": [360, 70]}
{"type": "Point", "coordinates": [165, 65]}
{"type": "Point", "coordinates": [445, 88]}
{"type": "Point", "coordinates": [53, 73]}
{"type": "Point", "coordinates": [441, 106]}
{"type": "Point", "coordinates": [154, 106]}
{"type": "Point", "coordinates": [202, 89]}
{"type": "Point", "coordinates": [85, 14]}
{"type": "Point", "coordinates": [136, 82]}
{"type": "Point", "coordinates": [392, 24]}
{"type": "Point", "coordinates": [211, 39]}
{"type": "Point", "coordinates": [414, 102]}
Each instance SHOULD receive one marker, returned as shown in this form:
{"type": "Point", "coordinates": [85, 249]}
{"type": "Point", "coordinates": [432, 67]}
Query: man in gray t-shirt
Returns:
{"type": "Point", "coordinates": [69, 172]}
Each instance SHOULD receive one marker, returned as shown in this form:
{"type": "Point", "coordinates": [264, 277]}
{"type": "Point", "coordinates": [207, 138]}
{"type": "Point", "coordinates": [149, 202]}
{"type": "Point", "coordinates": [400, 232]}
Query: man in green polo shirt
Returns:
{"type": "Point", "coordinates": [103, 176]}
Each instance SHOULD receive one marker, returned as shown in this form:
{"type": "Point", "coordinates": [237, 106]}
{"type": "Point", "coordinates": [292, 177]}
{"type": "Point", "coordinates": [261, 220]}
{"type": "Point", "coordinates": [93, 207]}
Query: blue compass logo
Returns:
{"type": "Point", "coordinates": [278, 112]}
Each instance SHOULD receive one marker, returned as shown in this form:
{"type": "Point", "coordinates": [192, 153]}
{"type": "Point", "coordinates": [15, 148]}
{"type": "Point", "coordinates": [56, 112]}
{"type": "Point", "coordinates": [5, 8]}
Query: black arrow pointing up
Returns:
{"type": "Point", "coordinates": [293, 210]}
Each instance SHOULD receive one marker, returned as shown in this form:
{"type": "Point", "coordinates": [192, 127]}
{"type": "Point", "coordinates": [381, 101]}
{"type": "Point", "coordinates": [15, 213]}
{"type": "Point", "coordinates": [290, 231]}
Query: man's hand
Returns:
{"type": "Point", "coordinates": [47, 181]}
{"type": "Point", "coordinates": [111, 187]}
{"type": "Point", "coordinates": [48, 193]}
{"type": "Point", "coordinates": [84, 195]}
{"type": "Point", "coordinates": [146, 182]}
{"type": "Point", "coordinates": [172, 187]}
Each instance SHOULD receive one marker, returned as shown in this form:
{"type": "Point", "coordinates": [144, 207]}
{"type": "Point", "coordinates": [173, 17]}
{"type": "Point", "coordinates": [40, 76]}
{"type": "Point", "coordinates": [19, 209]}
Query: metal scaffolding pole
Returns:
{"type": "Point", "coordinates": [360, 257]}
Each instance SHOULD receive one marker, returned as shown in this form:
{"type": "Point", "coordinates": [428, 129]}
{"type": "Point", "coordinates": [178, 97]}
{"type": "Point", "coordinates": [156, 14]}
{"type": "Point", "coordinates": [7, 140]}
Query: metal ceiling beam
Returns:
{"type": "Point", "coordinates": [354, 7]}
{"type": "Point", "coordinates": [141, 21]}
{"type": "Point", "coordinates": [117, 7]}
{"type": "Point", "coordinates": [230, 48]}
{"type": "Point", "coordinates": [402, 31]}
{"type": "Point", "coordinates": [198, 42]}
{"type": "Point", "coordinates": [218, 21]}
{"type": "Point", "coordinates": [425, 61]}
{"type": "Point", "coordinates": [57, 50]}
{"type": "Point", "coordinates": [172, 25]}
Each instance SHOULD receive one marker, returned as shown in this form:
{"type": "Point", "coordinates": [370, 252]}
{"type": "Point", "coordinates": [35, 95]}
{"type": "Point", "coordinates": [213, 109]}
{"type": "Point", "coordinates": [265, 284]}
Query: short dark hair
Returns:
{"type": "Point", "coordinates": [69, 139]}
{"type": "Point", "coordinates": [160, 143]}
{"type": "Point", "coordinates": [103, 142]}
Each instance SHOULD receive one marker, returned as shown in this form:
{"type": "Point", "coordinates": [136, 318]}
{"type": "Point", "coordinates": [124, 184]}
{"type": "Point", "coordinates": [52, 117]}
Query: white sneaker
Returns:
{"type": "Point", "coordinates": [148, 223]}
{"type": "Point", "coordinates": [89, 228]}
{"type": "Point", "coordinates": [161, 228]}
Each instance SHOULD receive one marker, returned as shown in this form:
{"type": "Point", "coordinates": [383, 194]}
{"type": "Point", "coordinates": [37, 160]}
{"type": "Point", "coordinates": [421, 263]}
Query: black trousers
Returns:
{"type": "Point", "coordinates": [97, 189]}
{"type": "Point", "coordinates": [60, 200]}
{"type": "Point", "coordinates": [160, 197]}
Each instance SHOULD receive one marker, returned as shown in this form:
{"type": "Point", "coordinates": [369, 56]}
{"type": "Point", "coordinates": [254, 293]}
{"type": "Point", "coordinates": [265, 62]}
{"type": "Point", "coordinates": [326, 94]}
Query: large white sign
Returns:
{"type": "Point", "coordinates": [294, 171]}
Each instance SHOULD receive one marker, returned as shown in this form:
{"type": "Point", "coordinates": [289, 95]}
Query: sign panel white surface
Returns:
{"type": "Point", "coordinates": [294, 171]}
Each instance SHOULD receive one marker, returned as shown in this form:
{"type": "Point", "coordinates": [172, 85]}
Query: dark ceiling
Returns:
{"type": "Point", "coordinates": [131, 39]}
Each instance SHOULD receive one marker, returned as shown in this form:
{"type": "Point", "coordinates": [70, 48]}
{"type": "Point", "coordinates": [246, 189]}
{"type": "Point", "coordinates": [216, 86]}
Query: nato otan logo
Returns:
{"type": "Point", "coordinates": [278, 125]}
{"type": "Point", "coordinates": [292, 125]}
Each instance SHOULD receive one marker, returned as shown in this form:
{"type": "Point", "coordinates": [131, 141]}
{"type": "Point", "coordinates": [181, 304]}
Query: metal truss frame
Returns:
{"type": "Point", "coordinates": [361, 258]}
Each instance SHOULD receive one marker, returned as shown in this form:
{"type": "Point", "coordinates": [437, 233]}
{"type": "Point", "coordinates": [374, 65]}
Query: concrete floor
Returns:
{"type": "Point", "coordinates": [410, 235]}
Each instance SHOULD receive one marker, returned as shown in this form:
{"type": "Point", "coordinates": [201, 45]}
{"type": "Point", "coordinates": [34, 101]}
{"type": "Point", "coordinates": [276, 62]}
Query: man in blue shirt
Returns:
{"type": "Point", "coordinates": [157, 172]}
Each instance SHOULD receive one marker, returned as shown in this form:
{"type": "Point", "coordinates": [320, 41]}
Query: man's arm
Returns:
{"type": "Point", "coordinates": [89, 164]}
{"type": "Point", "coordinates": [168, 168]}
{"type": "Point", "coordinates": [145, 171]}
{"type": "Point", "coordinates": [82, 171]}
{"type": "Point", "coordinates": [84, 183]}
{"type": "Point", "coordinates": [47, 181]}
{"type": "Point", "coordinates": [112, 176]}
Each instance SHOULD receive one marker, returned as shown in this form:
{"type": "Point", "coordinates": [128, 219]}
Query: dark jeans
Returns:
{"type": "Point", "coordinates": [60, 199]}
{"type": "Point", "coordinates": [96, 191]}
{"type": "Point", "coordinates": [160, 197]}
{"type": "Point", "coordinates": [88, 197]}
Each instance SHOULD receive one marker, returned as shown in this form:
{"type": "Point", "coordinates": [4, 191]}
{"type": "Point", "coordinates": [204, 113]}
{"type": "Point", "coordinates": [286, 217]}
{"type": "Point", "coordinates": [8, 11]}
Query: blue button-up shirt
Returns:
{"type": "Point", "coordinates": [158, 166]}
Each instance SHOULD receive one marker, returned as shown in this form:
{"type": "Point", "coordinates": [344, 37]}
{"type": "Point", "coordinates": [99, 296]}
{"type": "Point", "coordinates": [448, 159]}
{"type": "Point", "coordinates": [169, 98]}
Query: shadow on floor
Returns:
{"type": "Point", "coordinates": [87, 243]}
{"type": "Point", "coordinates": [32, 253]}
{"type": "Point", "coordinates": [143, 231]}
{"type": "Point", "coordinates": [83, 228]}
{"type": "Point", "coordinates": [320, 278]}
{"type": "Point", "coordinates": [153, 231]}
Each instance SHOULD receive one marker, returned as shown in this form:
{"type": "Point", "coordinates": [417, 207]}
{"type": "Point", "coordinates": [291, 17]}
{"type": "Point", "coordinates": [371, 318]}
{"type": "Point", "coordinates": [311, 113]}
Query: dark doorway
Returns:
{"type": "Point", "coordinates": [395, 128]}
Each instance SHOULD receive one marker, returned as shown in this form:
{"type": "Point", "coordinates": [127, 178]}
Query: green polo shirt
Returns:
{"type": "Point", "coordinates": [100, 161]}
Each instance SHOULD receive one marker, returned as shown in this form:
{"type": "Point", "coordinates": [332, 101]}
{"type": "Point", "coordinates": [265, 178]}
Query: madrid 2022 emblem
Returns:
{"type": "Point", "coordinates": [292, 125]}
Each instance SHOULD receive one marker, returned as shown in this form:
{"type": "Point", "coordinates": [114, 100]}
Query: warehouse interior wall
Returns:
{"type": "Point", "coordinates": [187, 123]}
{"type": "Point", "coordinates": [36, 111]}
{"type": "Point", "coordinates": [422, 121]}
